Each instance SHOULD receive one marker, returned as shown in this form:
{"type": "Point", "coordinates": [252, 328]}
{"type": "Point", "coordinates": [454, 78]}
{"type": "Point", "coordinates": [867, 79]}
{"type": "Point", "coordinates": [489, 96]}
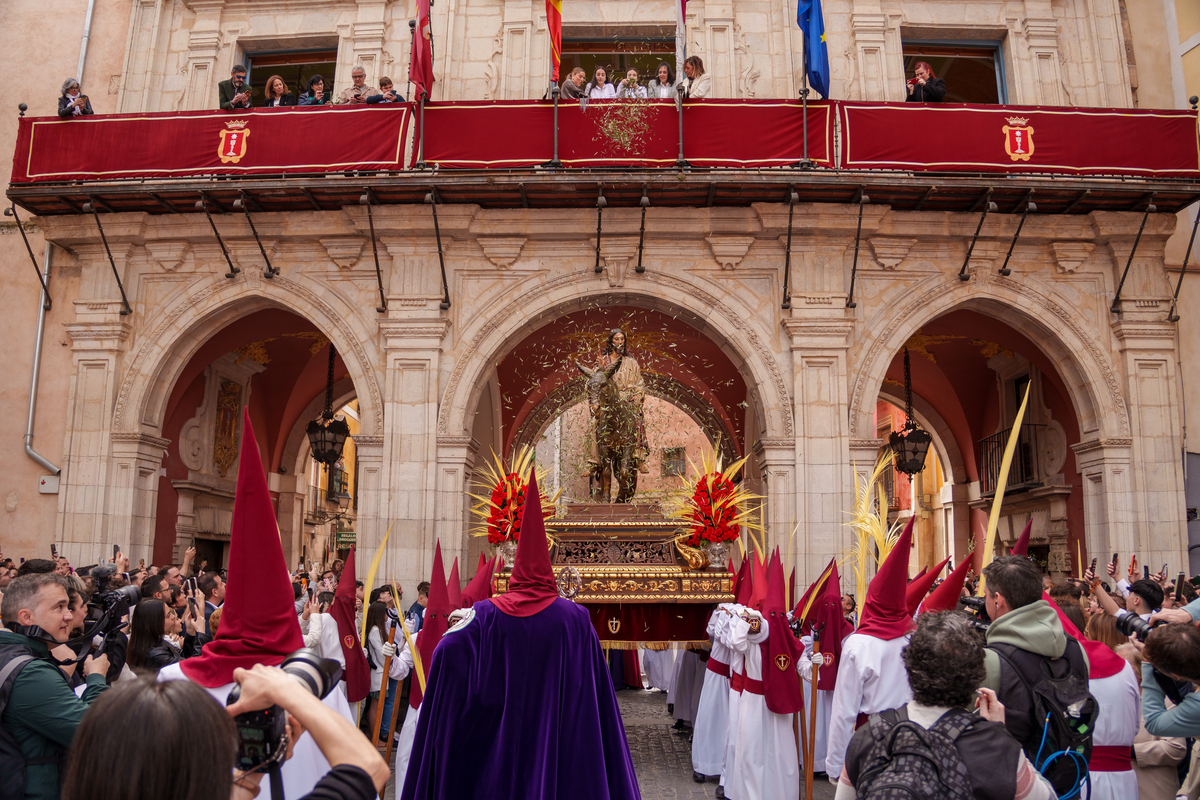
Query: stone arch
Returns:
{"type": "Point", "coordinates": [725, 320]}
{"type": "Point", "coordinates": [171, 339]}
{"type": "Point", "coordinates": [1091, 381]}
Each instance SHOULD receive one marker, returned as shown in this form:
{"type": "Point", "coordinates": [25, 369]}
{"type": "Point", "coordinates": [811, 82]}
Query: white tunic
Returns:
{"type": "Point", "coordinates": [307, 765]}
{"type": "Point", "coordinates": [1120, 701]}
{"type": "Point", "coordinates": [870, 679]}
{"type": "Point", "coordinates": [766, 766]}
{"type": "Point", "coordinates": [734, 636]}
{"type": "Point", "coordinates": [408, 733]}
{"type": "Point", "coordinates": [659, 666]}
{"type": "Point", "coordinates": [712, 717]}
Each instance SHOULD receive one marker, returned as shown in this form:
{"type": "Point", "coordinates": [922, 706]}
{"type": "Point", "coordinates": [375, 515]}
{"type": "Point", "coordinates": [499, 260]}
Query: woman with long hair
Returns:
{"type": "Point", "coordinates": [924, 86]}
{"type": "Point", "coordinates": [316, 94]}
{"type": "Point", "coordinates": [376, 636]}
{"type": "Point", "coordinates": [1103, 628]}
{"type": "Point", "coordinates": [154, 640]}
{"type": "Point", "coordinates": [698, 84]}
{"type": "Point", "coordinates": [662, 86]}
{"type": "Point", "coordinates": [599, 88]}
{"type": "Point", "coordinates": [277, 93]}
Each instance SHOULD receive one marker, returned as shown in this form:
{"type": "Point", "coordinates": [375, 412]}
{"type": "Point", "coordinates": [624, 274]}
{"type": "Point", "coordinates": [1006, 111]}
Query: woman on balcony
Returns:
{"type": "Point", "coordinates": [315, 96]}
{"type": "Point", "coordinates": [630, 88]}
{"type": "Point", "coordinates": [663, 85]}
{"type": "Point", "coordinates": [600, 88]}
{"type": "Point", "coordinates": [698, 84]}
{"type": "Point", "coordinates": [925, 87]}
{"type": "Point", "coordinates": [277, 93]}
{"type": "Point", "coordinates": [73, 103]}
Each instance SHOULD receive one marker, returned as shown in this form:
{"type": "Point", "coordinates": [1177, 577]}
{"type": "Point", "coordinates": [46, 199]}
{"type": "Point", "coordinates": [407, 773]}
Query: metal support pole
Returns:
{"type": "Point", "coordinates": [1171, 315]}
{"type": "Point", "coordinates": [988, 206]}
{"type": "Point", "coordinates": [601, 204]}
{"type": "Point", "coordinates": [1116, 303]}
{"type": "Point", "coordinates": [431, 199]}
{"type": "Point", "coordinates": [368, 199]}
{"type": "Point", "coordinates": [793, 198]}
{"type": "Point", "coordinates": [201, 205]}
{"type": "Point", "coordinates": [555, 93]}
{"type": "Point", "coordinates": [46, 304]}
{"type": "Point", "coordinates": [243, 203]}
{"type": "Point", "coordinates": [421, 144]}
{"type": "Point", "coordinates": [645, 202]}
{"type": "Point", "coordinates": [805, 162]}
{"type": "Point", "coordinates": [36, 374]}
{"type": "Point", "coordinates": [680, 161]}
{"type": "Point", "coordinates": [91, 206]}
{"type": "Point", "coordinates": [862, 202]}
{"type": "Point", "coordinates": [1029, 206]}
{"type": "Point", "coordinates": [412, 41]}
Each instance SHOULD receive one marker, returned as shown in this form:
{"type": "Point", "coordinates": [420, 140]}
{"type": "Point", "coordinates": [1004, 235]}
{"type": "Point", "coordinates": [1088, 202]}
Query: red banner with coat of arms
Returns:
{"type": "Point", "coordinates": [254, 141]}
{"type": "Point", "coordinates": [1144, 143]}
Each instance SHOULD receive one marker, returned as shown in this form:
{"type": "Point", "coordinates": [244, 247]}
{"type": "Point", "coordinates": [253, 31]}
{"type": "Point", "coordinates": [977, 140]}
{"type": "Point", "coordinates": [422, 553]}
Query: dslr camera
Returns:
{"type": "Point", "coordinates": [261, 733]}
{"type": "Point", "coordinates": [1131, 623]}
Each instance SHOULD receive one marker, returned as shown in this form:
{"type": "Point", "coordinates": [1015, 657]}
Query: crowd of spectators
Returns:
{"type": "Point", "coordinates": [96, 637]}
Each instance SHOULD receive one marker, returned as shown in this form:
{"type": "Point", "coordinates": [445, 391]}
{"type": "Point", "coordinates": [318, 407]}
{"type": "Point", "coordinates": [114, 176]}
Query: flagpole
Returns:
{"type": "Point", "coordinates": [805, 163]}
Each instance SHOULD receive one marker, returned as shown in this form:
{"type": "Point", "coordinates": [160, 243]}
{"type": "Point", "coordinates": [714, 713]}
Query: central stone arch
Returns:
{"type": "Point", "coordinates": [725, 320]}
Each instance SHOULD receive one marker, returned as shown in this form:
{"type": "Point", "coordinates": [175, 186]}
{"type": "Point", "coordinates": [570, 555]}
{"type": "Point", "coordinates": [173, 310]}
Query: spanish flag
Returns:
{"type": "Point", "coordinates": [554, 23]}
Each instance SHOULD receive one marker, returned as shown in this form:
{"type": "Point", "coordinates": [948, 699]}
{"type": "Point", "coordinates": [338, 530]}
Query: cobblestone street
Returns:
{"type": "Point", "coordinates": [662, 758]}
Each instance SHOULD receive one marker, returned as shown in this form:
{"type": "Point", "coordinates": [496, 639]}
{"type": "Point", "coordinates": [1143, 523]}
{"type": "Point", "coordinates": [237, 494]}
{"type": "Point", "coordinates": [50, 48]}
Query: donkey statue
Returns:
{"type": "Point", "coordinates": [616, 435]}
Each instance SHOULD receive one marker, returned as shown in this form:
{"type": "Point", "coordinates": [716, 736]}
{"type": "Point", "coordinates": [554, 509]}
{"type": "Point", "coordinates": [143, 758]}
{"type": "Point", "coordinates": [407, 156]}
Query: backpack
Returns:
{"type": "Point", "coordinates": [1063, 712]}
{"type": "Point", "coordinates": [908, 762]}
{"type": "Point", "coordinates": [12, 760]}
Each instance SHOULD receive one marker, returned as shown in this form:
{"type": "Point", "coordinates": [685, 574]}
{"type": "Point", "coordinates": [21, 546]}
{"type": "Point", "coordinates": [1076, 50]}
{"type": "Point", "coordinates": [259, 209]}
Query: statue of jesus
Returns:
{"type": "Point", "coordinates": [617, 442]}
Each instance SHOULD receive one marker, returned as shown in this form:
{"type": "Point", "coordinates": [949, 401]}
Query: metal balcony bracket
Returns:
{"type": "Point", "coordinates": [202, 205]}
{"type": "Point", "coordinates": [988, 206]}
{"type": "Point", "coordinates": [1029, 206]}
{"type": "Point", "coordinates": [554, 162]}
{"type": "Point", "coordinates": [861, 198]}
{"type": "Point", "coordinates": [1171, 315]}
{"type": "Point", "coordinates": [524, 196]}
{"type": "Point", "coordinates": [645, 202]}
{"type": "Point", "coordinates": [1084, 195]}
{"type": "Point", "coordinates": [91, 206]}
{"type": "Point", "coordinates": [680, 161]}
{"type": "Point", "coordinates": [367, 198]}
{"type": "Point", "coordinates": [244, 202]}
{"type": "Point", "coordinates": [793, 198]}
{"type": "Point", "coordinates": [930, 192]}
{"type": "Point", "coordinates": [1150, 209]}
{"type": "Point", "coordinates": [601, 204]}
{"type": "Point", "coordinates": [46, 304]}
{"type": "Point", "coordinates": [421, 140]}
{"type": "Point", "coordinates": [432, 199]}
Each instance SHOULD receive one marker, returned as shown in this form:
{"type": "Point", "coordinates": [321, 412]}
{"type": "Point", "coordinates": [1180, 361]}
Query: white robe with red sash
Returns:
{"type": "Point", "coordinates": [870, 679]}
{"type": "Point", "coordinates": [712, 717]}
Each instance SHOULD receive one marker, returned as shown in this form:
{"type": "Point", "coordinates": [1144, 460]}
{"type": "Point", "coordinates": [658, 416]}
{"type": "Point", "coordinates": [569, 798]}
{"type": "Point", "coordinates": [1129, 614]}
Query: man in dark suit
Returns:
{"type": "Point", "coordinates": [234, 93]}
{"type": "Point", "coordinates": [925, 87]}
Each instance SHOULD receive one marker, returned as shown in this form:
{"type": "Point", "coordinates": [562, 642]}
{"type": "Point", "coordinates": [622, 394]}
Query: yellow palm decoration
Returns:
{"type": "Point", "coordinates": [868, 520]}
{"type": "Point", "coordinates": [497, 515]}
{"type": "Point", "coordinates": [699, 514]}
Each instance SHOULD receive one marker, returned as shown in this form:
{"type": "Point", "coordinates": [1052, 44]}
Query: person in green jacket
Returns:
{"type": "Point", "coordinates": [42, 712]}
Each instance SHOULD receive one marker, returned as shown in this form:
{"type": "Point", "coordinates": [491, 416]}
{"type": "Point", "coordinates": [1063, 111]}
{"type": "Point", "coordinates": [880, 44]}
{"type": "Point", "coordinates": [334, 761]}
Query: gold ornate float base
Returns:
{"type": "Point", "coordinates": [642, 584]}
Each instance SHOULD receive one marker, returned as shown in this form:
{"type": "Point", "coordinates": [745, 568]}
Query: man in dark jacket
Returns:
{"type": "Point", "coordinates": [925, 87]}
{"type": "Point", "coordinates": [234, 94]}
{"type": "Point", "coordinates": [42, 712]}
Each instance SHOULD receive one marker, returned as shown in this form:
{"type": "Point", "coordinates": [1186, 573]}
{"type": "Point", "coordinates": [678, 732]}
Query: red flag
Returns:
{"type": "Point", "coordinates": [358, 673]}
{"type": "Point", "coordinates": [420, 69]}
{"type": "Point", "coordinates": [554, 24]}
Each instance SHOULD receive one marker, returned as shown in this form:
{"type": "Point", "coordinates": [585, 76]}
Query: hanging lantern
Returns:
{"type": "Point", "coordinates": [911, 444]}
{"type": "Point", "coordinates": [326, 435]}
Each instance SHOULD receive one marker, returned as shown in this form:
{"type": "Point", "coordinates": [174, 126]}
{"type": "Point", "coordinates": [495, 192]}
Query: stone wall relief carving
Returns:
{"type": "Point", "coordinates": [749, 73]}
{"type": "Point", "coordinates": [891, 252]}
{"type": "Point", "coordinates": [491, 70]}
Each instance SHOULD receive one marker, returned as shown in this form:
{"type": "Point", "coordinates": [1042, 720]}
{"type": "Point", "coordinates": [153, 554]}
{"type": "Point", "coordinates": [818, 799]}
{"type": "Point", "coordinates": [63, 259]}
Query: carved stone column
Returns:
{"type": "Point", "coordinates": [204, 44]}
{"type": "Point", "coordinates": [133, 493]}
{"type": "Point", "coordinates": [372, 521]}
{"type": "Point", "coordinates": [1107, 469]}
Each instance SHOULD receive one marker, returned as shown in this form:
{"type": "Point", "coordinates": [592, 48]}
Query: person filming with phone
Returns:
{"type": "Point", "coordinates": [177, 741]}
{"type": "Point", "coordinates": [73, 103]}
{"type": "Point", "coordinates": [925, 87]}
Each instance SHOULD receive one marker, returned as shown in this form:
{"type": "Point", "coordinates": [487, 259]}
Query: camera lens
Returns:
{"type": "Point", "coordinates": [318, 674]}
{"type": "Point", "coordinates": [1130, 624]}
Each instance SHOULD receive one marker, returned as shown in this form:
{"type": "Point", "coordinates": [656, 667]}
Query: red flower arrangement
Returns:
{"type": "Point", "coordinates": [500, 513]}
{"type": "Point", "coordinates": [712, 508]}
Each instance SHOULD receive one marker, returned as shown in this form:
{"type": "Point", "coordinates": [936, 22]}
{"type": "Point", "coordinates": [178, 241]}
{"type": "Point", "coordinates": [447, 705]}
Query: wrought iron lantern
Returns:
{"type": "Point", "coordinates": [911, 444]}
{"type": "Point", "coordinates": [327, 435]}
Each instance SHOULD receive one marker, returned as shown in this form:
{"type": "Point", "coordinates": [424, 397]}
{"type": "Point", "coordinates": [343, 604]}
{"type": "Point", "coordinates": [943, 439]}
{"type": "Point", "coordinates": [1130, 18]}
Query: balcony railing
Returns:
{"type": "Point", "coordinates": [1023, 473]}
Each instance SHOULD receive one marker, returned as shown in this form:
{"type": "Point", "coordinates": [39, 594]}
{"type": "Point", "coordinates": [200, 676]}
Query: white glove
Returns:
{"type": "Point", "coordinates": [389, 649]}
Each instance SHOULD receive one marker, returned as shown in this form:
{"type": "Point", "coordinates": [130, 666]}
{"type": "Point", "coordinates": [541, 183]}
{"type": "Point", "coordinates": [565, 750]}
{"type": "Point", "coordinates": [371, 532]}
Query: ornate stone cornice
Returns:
{"type": "Point", "coordinates": [1097, 444]}
{"type": "Point", "coordinates": [140, 438]}
{"type": "Point", "coordinates": [866, 444]}
{"type": "Point", "coordinates": [363, 440]}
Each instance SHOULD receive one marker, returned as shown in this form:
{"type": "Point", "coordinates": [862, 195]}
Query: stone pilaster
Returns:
{"type": "Point", "coordinates": [133, 493]}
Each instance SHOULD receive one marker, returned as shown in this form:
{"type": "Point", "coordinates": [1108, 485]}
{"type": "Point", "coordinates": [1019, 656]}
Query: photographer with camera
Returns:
{"type": "Point", "coordinates": [183, 744]}
{"type": "Point", "coordinates": [1039, 672]}
{"type": "Point", "coordinates": [41, 712]}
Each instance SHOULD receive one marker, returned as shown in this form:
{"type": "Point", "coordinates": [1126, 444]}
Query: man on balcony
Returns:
{"type": "Point", "coordinates": [359, 92]}
{"type": "Point", "coordinates": [234, 93]}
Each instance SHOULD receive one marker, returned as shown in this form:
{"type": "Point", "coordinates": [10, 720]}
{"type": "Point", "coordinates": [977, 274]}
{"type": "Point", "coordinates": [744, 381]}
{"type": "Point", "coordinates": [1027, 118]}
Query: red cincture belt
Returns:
{"type": "Point", "coordinates": [1110, 758]}
{"type": "Point", "coordinates": [754, 687]}
{"type": "Point", "coordinates": [718, 667]}
{"type": "Point", "coordinates": [736, 681]}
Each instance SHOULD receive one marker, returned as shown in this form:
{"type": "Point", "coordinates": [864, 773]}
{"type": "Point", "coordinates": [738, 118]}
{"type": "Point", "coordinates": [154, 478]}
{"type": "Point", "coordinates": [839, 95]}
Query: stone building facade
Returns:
{"type": "Point", "coordinates": [1109, 388]}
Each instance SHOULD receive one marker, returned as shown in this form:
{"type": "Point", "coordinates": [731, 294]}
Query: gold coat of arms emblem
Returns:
{"type": "Point", "coordinates": [233, 141]}
{"type": "Point", "coordinates": [783, 662]}
{"type": "Point", "coordinates": [614, 625]}
{"type": "Point", "coordinates": [1018, 138]}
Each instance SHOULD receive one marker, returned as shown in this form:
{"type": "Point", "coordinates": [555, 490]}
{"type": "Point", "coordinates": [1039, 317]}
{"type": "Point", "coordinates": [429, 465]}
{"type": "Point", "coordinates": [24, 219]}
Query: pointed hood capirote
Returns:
{"type": "Point", "coordinates": [741, 586]}
{"type": "Point", "coordinates": [885, 612]}
{"type": "Point", "coordinates": [781, 650]}
{"type": "Point", "coordinates": [918, 587]}
{"type": "Point", "coordinates": [258, 620]}
{"type": "Point", "coordinates": [826, 614]}
{"type": "Point", "coordinates": [945, 597]}
{"type": "Point", "coordinates": [1021, 547]}
{"type": "Point", "coordinates": [454, 587]}
{"type": "Point", "coordinates": [436, 621]}
{"type": "Point", "coordinates": [531, 586]}
{"type": "Point", "coordinates": [358, 672]}
{"type": "Point", "coordinates": [480, 587]}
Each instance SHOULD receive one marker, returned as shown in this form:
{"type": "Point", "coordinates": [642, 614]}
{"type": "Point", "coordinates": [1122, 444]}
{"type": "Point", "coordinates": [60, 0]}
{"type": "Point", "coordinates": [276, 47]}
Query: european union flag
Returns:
{"type": "Point", "coordinates": [816, 52]}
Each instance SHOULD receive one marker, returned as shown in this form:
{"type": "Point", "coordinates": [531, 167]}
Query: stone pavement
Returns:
{"type": "Point", "coordinates": [662, 758]}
